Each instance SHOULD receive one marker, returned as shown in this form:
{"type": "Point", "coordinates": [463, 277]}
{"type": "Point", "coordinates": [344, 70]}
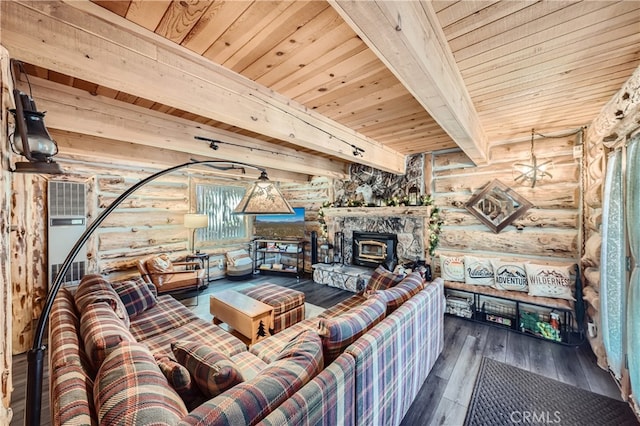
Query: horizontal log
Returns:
{"type": "Point", "coordinates": [140, 237]}
{"type": "Point", "coordinates": [424, 211]}
{"type": "Point", "coordinates": [566, 174]}
{"type": "Point", "coordinates": [531, 241]}
{"type": "Point", "coordinates": [549, 148]}
{"type": "Point", "coordinates": [532, 218]}
{"type": "Point", "coordinates": [592, 278]}
{"type": "Point", "coordinates": [592, 246]}
{"type": "Point", "coordinates": [134, 202]}
{"type": "Point", "coordinates": [143, 218]}
{"type": "Point", "coordinates": [557, 198]}
{"type": "Point", "coordinates": [156, 189]}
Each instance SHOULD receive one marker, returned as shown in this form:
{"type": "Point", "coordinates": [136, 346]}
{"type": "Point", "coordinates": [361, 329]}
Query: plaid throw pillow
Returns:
{"type": "Point", "coordinates": [180, 379]}
{"type": "Point", "coordinates": [136, 296]}
{"type": "Point", "coordinates": [130, 389]}
{"type": "Point", "coordinates": [382, 279]}
{"type": "Point", "coordinates": [101, 330]}
{"type": "Point", "coordinates": [408, 287]}
{"type": "Point", "coordinates": [93, 288]}
{"type": "Point", "coordinates": [339, 332]}
{"type": "Point", "coordinates": [212, 371]}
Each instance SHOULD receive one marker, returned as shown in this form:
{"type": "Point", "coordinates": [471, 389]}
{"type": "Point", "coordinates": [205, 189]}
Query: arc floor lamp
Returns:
{"type": "Point", "coordinates": [262, 198]}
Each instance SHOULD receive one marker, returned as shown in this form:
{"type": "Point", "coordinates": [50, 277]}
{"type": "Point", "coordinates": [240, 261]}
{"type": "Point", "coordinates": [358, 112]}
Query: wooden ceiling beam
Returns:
{"type": "Point", "coordinates": [406, 36]}
{"type": "Point", "coordinates": [83, 40]}
{"type": "Point", "coordinates": [77, 111]}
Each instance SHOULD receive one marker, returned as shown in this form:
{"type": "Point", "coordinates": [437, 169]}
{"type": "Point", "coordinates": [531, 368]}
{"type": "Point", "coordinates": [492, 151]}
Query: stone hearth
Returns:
{"type": "Point", "coordinates": [352, 278]}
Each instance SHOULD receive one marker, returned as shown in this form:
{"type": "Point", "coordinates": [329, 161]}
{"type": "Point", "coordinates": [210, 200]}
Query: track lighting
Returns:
{"type": "Point", "coordinates": [357, 152]}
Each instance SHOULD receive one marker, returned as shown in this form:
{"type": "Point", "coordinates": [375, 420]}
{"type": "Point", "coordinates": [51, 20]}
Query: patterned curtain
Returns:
{"type": "Point", "coordinates": [633, 228]}
{"type": "Point", "coordinates": [613, 288]}
{"type": "Point", "coordinates": [218, 202]}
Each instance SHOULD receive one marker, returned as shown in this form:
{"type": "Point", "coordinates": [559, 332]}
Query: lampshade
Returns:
{"type": "Point", "coordinates": [194, 220]}
{"type": "Point", "coordinates": [263, 198]}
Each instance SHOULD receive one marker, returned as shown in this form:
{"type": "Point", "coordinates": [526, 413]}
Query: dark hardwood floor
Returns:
{"type": "Point", "coordinates": [445, 395]}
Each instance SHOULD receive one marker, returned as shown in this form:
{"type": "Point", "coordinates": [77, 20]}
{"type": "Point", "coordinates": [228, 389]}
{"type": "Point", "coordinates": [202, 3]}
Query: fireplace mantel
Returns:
{"type": "Point", "coordinates": [423, 211]}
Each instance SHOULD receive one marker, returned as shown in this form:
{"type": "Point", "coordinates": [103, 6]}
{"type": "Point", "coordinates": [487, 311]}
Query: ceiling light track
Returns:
{"type": "Point", "coordinates": [214, 144]}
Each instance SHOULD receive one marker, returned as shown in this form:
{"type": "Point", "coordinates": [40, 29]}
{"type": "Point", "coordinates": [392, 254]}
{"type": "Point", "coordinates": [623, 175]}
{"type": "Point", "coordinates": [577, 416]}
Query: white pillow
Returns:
{"type": "Point", "coordinates": [510, 276]}
{"type": "Point", "coordinates": [243, 261]}
{"type": "Point", "coordinates": [550, 281]}
{"type": "Point", "coordinates": [478, 271]}
{"type": "Point", "coordinates": [452, 268]}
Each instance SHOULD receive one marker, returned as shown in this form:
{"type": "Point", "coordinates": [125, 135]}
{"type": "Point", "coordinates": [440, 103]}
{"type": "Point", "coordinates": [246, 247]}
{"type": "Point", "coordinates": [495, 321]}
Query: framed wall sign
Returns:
{"type": "Point", "coordinates": [497, 205]}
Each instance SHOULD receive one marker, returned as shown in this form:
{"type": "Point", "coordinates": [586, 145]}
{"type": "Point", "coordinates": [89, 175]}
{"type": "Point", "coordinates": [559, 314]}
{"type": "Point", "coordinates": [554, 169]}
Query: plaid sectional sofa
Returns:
{"type": "Point", "coordinates": [112, 361]}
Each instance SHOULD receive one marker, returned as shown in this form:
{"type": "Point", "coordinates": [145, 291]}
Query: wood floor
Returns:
{"type": "Point", "coordinates": [445, 395]}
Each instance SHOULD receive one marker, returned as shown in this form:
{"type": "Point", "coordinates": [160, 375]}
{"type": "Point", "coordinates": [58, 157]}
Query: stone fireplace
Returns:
{"type": "Point", "coordinates": [409, 225]}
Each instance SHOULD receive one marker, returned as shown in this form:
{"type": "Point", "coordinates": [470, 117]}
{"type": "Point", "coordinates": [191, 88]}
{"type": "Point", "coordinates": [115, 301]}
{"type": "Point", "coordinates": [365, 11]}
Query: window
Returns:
{"type": "Point", "coordinates": [218, 202]}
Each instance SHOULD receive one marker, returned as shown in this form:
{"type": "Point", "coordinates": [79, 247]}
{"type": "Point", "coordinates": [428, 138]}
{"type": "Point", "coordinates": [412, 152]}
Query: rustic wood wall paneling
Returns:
{"type": "Point", "coordinates": [6, 341]}
{"type": "Point", "coordinates": [547, 233]}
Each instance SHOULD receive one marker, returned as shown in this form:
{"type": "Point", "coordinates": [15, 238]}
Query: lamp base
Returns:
{"type": "Point", "coordinates": [42, 167]}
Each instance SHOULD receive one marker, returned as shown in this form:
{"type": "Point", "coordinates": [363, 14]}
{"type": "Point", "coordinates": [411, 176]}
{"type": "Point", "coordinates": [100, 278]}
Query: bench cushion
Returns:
{"type": "Point", "coordinates": [281, 299]}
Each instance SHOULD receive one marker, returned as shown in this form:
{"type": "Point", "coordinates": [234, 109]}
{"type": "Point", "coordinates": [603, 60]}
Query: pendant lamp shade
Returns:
{"type": "Point", "coordinates": [263, 198]}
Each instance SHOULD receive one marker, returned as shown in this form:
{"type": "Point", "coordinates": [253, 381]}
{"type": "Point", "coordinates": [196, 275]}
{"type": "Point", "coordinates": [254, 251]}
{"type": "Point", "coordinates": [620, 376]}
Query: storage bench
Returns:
{"type": "Point", "coordinates": [518, 311]}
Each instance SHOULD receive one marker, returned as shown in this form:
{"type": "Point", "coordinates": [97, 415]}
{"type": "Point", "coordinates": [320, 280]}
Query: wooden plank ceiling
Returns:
{"type": "Point", "coordinates": [548, 65]}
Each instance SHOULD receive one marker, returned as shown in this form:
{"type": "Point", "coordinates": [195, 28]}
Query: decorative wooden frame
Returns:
{"type": "Point", "coordinates": [497, 205]}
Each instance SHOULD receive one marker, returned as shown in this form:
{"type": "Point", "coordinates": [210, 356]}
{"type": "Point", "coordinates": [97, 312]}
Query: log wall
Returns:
{"type": "Point", "coordinates": [549, 232]}
{"type": "Point", "coordinates": [6, 341]}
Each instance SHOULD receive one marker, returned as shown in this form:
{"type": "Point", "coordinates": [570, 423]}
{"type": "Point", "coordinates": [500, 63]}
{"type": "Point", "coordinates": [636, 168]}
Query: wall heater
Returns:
{"type": "Point", "coordinates": [67, 221]}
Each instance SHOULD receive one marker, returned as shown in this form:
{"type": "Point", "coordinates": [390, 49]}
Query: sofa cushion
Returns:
{"type": "Point", "coordinates": [478, 271]}
{"type": "Point", "coordinates": [136, 295]}
{"type": "Point", "coordinates": [281, 299]}
{"type": "Point", "coordinates": [181, 381]}
{"type": "Point", "coordinates": [452, 268]}
{"type": "Point", "coordinates": [157, 266]}
{"type": "Point", "coordinates": [339, 332]}
{"type": "Point", "coordinates": [94, 288]}
{"type": "Point", "coordinates": [130, 389]}
{"type": "Point", "coordinates": [510, 276]}
{"type": "Point", "coordinates": [247, 403]}
{"type": "Point", "coordinates": [549, 281]}
{"type": "Point", "coordinates": [212, 371]}
{"type": "Point", "coordinates": [404, 291]}
{"type": "Point", "coordinates": [382, 279]}
{"type": "Point", "coordinates": [102, 331]}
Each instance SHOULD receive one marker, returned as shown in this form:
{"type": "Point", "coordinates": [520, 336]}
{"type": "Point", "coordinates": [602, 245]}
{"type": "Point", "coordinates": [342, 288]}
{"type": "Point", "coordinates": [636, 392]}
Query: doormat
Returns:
{"type": "Point", "coordinates": [507, 395]}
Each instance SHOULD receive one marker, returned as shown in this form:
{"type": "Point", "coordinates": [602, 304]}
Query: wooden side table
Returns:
{"type": "Point", "coordinates": [247, 316]}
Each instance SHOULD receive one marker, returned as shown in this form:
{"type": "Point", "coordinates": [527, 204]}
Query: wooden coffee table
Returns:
{"type": "Point", "coordinates": [249, 317]}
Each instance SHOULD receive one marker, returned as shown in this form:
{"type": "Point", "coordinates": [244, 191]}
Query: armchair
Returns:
{"type": "Point", "coordinates": [170, 276]}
